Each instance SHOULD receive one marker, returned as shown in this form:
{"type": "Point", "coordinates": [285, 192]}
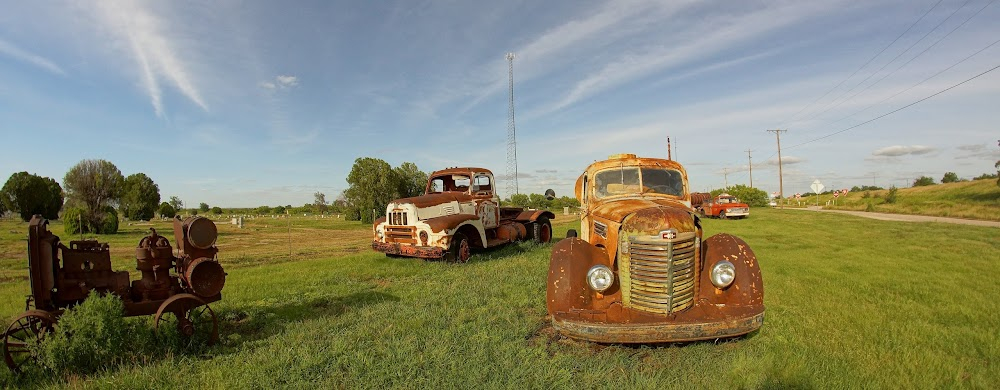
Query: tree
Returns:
{"type": "Point", "coordinates": [203, 207]}
{"type": "Point", "coordinates": [998, 172]}
{"type": "Point", "coordinates": [520, 200]}
{"type": "Point", "coordinates": [372, 185]}
{"type": "Point", "coordinates": [97, 185]}
{"type": "Point", "coordinates": [950, 177]}
{"type": "Point", "coordinates": [923, 181]}
{"type": "Point", "coordinates": [176, 203]}
{"type": "Point", "coordinates": [412, 181]}
{"type": "Point", "coordinates": [140, 197]}
{"type": "Point", "coordinates": [753, 197]}
{"type": "Point", "coordinates": [167, 210]}
{"type": "Point", "coordinates": [537, 201]}
{"type": "Point", "coordinates": [217, 210]}
{"type": "Point", "coordinates": [263, 210]}
{"type": "Point", "coordinates": [28, 194]}
{"type": "Point", "coordinates": [320, 202]}
{"type": "Point", "coordinates": [279, 210]}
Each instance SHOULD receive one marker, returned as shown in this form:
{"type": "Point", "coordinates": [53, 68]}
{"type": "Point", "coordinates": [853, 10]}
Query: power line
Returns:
{"type": "Point", "coordinates": [887, 64]}
{"type": "Point", "coordinates": [896, 110]}
{"type": "Point", "coordinates": [907, 62]}
{"type": "Point", "coordinates": [866, 63]}
{"type": "Point", "coordinates": [919, 83]}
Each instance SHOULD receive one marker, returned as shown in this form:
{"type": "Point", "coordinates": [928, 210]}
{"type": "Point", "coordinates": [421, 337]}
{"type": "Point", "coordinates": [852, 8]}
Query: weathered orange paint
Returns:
{"type": "Point", "coordinates": [580, 312]}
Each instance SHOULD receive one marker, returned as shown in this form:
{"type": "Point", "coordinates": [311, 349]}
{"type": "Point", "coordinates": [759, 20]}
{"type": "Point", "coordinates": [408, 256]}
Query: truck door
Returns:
{"type": "Point", "coordinates": [487, 202]}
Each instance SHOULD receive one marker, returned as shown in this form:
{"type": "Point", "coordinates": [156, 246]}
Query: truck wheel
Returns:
{"type": "Point", "coordinates": [459, 251]}
{"type": "Point", "coordinates": [571, 233]}
{"type": "Point", "coordinates": [542, 230]}
{"type": "Point", "coordinates": [722, 215]}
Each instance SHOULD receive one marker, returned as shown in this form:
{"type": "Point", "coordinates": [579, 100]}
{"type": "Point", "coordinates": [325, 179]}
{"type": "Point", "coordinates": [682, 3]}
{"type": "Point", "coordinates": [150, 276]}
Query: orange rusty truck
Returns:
{"type": "Point", "coordinates": [724, 206]}
{"type": "Point", "coordinates": [460, 211]}
{"type": "Point", "coordinates": [639, 270]}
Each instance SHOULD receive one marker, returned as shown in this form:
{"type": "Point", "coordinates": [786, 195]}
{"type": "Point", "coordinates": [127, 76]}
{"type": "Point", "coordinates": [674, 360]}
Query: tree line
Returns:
{"type": "Point", "coordinates": [95, 193]}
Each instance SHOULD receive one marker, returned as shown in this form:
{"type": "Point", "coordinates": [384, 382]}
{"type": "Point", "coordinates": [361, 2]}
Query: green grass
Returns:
{"type": "Point", "coordinates": [851, 302]}
{"type": "Point", "coordinates": [979, 199]}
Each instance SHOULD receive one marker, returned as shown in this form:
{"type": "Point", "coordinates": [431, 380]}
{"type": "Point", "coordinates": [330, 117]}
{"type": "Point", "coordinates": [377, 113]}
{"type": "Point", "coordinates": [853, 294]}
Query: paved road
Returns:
{"type": "Point", "coordinates": [905, 217]}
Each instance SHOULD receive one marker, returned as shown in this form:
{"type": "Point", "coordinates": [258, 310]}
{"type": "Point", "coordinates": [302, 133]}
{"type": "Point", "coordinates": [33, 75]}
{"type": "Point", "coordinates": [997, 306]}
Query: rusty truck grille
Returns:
{"type": "Point", "coordinates": [660, 274]}
{"type": "Point", "coordinates": [401, 234]}
{"type": "Point", "coordinates": [397, 218]}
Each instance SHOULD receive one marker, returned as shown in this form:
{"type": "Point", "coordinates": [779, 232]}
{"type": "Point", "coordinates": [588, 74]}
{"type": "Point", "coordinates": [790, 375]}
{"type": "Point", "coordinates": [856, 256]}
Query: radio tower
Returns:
{"type": "Point", "coordinates": [511, 134]}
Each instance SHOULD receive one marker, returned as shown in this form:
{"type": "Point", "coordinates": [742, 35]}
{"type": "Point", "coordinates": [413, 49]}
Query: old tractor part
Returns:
{"type": "Point", "coordinates": [59, 282]}
{"type": "Point", "coordinates": [199, 271]}
{"type": "Point", "coordinates": [154, 257]}
{"type": "Point", "coordinates": [27, 329]}
{"type": "Point", "coordinates": [190, 315]}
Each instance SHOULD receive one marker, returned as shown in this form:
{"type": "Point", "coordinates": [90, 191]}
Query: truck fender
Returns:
{"type": "Point", "coordinates": [748, 287]}
{"type": "Point", "coordinates": [567, 282]}
{"type": "Point", "coordinates": [479, 237]}
{"type": "Point", "coordinates": [533, 215]}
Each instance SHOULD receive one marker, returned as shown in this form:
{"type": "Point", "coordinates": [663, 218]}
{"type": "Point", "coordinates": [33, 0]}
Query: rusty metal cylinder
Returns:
{"type": "Point", "coordinates": [201, 232]}
{"type": "Point", "coordinates": [154, 258]}
{"type": "Point", "coordinates": [203, 276]}
{"type": "Point", "coordinates": [512, 232]}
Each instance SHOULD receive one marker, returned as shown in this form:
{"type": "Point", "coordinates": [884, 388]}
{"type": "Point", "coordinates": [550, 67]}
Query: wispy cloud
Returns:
{"type": "Point", "coordinates": [697, 44]}
{"type": "Point", "coordinates": [978, 151]}
{"type": "Point", "coordinates": [19, 54]}
{"type": "Point", "coordinates": [901, 150]}
{"type": "Point", "coordinates": [280, 82]}
{"type": "Point", "coordinates": [156, 55]}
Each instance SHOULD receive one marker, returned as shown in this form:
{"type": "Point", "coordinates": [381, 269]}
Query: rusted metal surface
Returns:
{"type": "Point", "coordinates": [59, 282]}
{"type": "Point", "coordinates": [724, 206]}
{"type": "Point", "coordinates": [662, 289]}
{"type": "Point", "coordinates": [457, 201]}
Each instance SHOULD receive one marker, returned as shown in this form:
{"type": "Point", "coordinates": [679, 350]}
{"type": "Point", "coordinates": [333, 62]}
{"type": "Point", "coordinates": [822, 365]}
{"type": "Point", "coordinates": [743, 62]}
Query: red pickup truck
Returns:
{"type": "Point", "coordinates": [724, 206]}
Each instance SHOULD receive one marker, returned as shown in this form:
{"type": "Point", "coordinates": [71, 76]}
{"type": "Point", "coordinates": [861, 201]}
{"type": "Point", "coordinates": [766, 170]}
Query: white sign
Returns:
{"type": "Point", "coordinates": [817, 187]}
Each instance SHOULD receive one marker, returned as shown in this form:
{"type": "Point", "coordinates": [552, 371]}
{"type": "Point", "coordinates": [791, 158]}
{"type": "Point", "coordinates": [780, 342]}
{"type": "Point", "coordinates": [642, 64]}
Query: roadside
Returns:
{"type": "Point", "coordinates": [904, 217]}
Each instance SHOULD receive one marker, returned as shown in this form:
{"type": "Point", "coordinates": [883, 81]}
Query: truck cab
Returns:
{"type": "Point", "coordinates": [459, 211]}
{"type": "Point", "coordinates": [639, 270]}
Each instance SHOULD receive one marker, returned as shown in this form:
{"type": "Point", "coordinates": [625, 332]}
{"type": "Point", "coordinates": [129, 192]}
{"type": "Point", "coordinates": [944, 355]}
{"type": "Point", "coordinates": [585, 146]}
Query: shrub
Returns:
{"type": "Point", "coordinates": [870, 207]}
{"type": "Point", "coordinates": [73, 221]}
{"type": "Point", "coordinates": [88, 337]}
{"type": "Point", "coordinates": [890, 197]}
{"type": "Point", "coordinates": [166, 210]}
{"type": "Point", "coordinates": [109, 222]}
{"type": "Point", "coordinates": [923, 181]}
{"type": "Point", "coordinates": [866, 195]}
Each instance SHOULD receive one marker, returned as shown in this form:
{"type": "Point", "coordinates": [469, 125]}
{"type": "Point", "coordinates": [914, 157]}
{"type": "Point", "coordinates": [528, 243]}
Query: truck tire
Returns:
{"type": "Point", "coordinates": [541, 230]}
{"type": "Point", "coordinates": [722, 215]}
{"type": "Point", "coordinates": [459, 251]}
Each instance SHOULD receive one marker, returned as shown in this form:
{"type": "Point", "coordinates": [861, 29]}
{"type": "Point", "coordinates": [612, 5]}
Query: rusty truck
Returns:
{"type": "Point", "coordinates": [724, 206]}
{"type": "Point", "coordinates": [460, 211]}
{"type": "Point", "coordinates": [639, 270]}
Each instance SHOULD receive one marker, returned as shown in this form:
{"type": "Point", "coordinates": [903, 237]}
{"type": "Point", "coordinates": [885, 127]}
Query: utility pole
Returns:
{"type": "Point", "coordinates": [750, 164]}
{"type": "Point", "coordinates": [511, 134]}
{"type": "Point", "coordinates": [781, 182]}
{"type": "Point", "coordinates": [725, 175]}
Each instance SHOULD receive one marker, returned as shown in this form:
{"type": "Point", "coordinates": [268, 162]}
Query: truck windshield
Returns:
{"type": "Point", "coordinates": [449, 183]}
{"type": "Point", "coordinates": [626, 181]}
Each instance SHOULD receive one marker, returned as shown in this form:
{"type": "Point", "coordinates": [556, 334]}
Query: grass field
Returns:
{"type": "Point", "coordinates": [979, 199]}
{"type": "Point", "coordinates": [851, 302]}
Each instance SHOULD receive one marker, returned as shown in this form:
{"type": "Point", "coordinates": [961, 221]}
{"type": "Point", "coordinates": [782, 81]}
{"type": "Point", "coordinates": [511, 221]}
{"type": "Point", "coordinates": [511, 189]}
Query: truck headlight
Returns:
{"type": "Point", "coordinates": [600, 277]}
{"type": "Point", "coordinates": [378, 233]}
{"type": "Point", "coordinates": [723, 274]}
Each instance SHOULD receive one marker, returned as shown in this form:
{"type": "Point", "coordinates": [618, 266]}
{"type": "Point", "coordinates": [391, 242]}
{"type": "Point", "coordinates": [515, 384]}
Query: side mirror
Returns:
{"type": "Point", "coordinates": [550, 194]}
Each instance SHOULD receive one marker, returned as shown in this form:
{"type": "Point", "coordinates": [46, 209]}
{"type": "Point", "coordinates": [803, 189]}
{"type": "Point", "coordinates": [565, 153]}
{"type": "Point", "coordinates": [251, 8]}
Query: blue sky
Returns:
{"type": "Point", "coordinates": [238, 103]}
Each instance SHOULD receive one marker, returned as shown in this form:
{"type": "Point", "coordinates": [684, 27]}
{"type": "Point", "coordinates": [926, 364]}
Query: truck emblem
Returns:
{"type": "Point", "coordinates": [669, 234]}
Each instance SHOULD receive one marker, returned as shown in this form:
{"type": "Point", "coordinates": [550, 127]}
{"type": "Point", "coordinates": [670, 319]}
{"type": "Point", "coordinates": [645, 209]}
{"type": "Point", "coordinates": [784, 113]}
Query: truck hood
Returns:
{"type": "Point", "coordinates": [435, 199]}
{"type": "Point", "coordinates": [650, 215]}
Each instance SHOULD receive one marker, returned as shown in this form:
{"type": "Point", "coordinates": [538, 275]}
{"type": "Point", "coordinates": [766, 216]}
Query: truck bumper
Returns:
{"type": "Point", "coordinates": [395, 248]}
{"type": "Point", "coordinates": [659, 332]}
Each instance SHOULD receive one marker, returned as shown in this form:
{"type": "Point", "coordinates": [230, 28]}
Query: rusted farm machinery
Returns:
{"type": "Point", "coordinates": [62, 276]}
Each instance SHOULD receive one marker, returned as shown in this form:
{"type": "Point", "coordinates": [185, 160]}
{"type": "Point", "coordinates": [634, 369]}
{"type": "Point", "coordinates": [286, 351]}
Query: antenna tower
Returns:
{"type": "Point", "coordinates": [511, 134]}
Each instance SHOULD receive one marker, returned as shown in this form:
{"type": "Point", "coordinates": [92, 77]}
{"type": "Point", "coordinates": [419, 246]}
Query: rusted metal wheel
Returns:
{"type": "Point", "coordinates": [460, 250]}
{"type": "Point", "coordinates": [192, 317]}
{"type": "Point", "coordinates": [542, 230]}
{"type": "Point", "coordinates": [27, 329]}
